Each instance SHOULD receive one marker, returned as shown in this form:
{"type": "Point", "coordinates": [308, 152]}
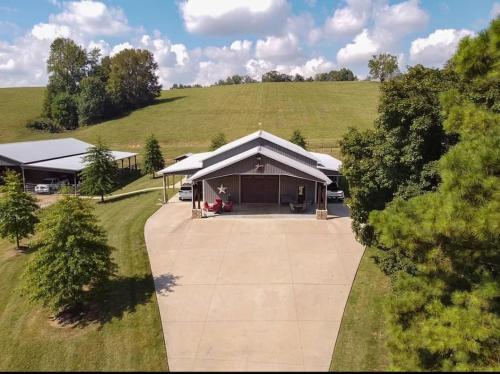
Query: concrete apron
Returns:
{"type": "Point", "coordinates": [250, 294]}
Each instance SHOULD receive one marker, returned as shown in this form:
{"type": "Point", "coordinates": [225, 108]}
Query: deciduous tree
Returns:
{"type": "Point", "coordinates": [218, 141]}
{"type": "Point", "coordinates": [17, 209]}
{"type": "Point", "coordinates": [383, 66]}
{"type": "Point", "coordinates": [299, 139]}
{"type": "Point", "coordinates": [71, 256]}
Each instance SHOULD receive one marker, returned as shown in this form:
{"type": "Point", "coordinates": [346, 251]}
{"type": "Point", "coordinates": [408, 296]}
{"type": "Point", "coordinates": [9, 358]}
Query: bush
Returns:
{"type": "Point", "coordinates": [64, 111]}
{"type": "Point", "coordinates": [44, 124]}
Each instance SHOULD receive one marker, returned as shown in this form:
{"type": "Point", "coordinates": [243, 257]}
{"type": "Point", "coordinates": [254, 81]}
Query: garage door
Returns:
{"type": "Point", "coordinates": [259, 188]}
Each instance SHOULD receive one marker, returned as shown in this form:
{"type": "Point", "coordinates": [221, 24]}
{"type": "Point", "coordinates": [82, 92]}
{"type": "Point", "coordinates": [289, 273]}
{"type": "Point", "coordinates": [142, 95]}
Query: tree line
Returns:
{"type": "Point", "coordinates": [84, 87]}
{"type": "Point", "coordinates": [425, 198]}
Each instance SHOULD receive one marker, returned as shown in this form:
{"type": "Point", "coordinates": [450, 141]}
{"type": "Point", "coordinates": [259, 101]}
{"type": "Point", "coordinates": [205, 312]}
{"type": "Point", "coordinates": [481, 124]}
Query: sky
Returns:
{"type": "Point", "coordinates": [202, 41]}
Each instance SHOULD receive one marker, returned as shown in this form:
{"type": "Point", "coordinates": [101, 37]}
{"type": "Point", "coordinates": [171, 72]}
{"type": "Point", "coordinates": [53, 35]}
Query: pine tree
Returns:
{"type": "Point", "coordinates": [445, 314]}
{"type": "Point", "coordinates": [17, 209]}
{"type": "Point", "coordinates": [153, 159]}
{"type": "Point", "coordinates": [298, 138]}
{"type": "Point", "coordinates": [72, 256]}
{"type": "Point", "coordinates": [99, 176]}
{"type": "Point", "coordinates": [218, 141]}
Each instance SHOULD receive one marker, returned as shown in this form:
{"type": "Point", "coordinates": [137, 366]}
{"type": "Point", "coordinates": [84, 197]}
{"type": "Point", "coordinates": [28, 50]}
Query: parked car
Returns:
{"type": "Point", "coordinates": [334, 193]}
{"type": "Point", "coordinates": [186, 192]}
{"type": "Point", "coordinates": [50, 185]}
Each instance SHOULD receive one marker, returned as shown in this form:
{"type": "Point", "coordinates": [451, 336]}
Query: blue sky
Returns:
{"type": "Point", "coordinates": [201, 41]}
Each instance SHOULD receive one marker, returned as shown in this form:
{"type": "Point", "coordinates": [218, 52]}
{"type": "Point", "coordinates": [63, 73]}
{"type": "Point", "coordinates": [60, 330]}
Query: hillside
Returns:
{"type": "Point", "coordinates": [185, 120]}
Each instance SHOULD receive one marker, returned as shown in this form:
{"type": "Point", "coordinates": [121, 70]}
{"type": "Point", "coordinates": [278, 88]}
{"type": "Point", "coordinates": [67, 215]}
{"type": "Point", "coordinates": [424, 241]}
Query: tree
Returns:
{"type": "Point", "coordinates": [72, 256]}
{"type": "Point", "coordinates": [218, 141]}
{"type": "Point", "coordinates": [133, 80]}
{"type": "Point", "coordinates": [444, 314]}
{"type": "Point", "coordinates": [91, 101]}
{"type": "Point", "coordinates": [393, 159]}
{"type": "Point", "coordinates": [298, 78]}
{"type": "Point", "coordinates": [98, 177]}
{"type": "Point", "coordinates": [153, 159]}
{"type": "Point", "coordinates": [66, 65]}
{"type": "Point", "coordinates": [275, 76]}
{"type": "Point", "coordinates": [384, 66]}
{"type": "Point", "coordinates": [298, 138]}
{"type": "Point", "coordinates": [17, 209]}
{"type": "Point", "coordinates": [64, 112]}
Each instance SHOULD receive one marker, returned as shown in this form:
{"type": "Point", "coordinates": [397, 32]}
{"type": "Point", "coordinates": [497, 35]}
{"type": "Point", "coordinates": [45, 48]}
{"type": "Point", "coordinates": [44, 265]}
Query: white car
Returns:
{"type": "Point", "coordinates": [49, 185]}
{"type": "Point", "coordinates": [186, 192]}
{"type": "Point", "coordinates": [334, 194]}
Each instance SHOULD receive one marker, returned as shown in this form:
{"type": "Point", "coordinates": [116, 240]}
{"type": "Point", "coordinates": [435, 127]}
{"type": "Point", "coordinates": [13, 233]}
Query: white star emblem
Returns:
{"type": "Point", "coordinates": [222, 189]}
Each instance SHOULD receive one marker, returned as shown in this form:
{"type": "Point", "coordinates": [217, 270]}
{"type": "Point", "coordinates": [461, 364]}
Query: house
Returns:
{"type": "Point", "coordinates": [258, 168]}
{"type": "Point", "coordinates": [61, 158]}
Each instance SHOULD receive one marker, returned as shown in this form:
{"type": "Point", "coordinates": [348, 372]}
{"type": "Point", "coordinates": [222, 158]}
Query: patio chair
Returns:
{"type": "Point", "coordinates": [298, 208]}
{"type": "Point", "coordinates": [228, 206]}
{"type": "Point", "coordinates": [215, 207]}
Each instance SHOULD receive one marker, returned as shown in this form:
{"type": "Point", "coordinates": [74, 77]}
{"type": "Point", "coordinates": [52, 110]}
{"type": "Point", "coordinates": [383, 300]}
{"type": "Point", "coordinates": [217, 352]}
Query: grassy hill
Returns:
{"type": "Point", "coordinates": [185, 120]}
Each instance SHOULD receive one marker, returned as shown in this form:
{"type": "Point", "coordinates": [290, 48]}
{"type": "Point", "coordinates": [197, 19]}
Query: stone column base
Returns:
{"type": "Point", "coordinates": [321, 214]}
{"type": "Point", "coordinates": [196, 213]}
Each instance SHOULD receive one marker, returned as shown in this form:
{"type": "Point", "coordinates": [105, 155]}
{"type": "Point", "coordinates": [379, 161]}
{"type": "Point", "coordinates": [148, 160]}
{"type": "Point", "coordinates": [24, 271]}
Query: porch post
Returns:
{"type": "Point", "coordinates": [164, 189]}
{"type": "Point", "coordinates": [279, 189]}
{"type": "Point", "coordinates": [74, 181]}
{"type": "Point", "coordinates": [239, 192]}
{"type": "Point", "coordinates": [135, 162]}
{"type": "Point", "coordinates": [193, 193]}
{"type": "Point", "coordinates": [199, 196]}
{"type": "Point", "coordinates": [24, 179]}
{"type": "Point", "coordinates": [325, 197]}
{"type": "Point", "coordinates": [316, 193]}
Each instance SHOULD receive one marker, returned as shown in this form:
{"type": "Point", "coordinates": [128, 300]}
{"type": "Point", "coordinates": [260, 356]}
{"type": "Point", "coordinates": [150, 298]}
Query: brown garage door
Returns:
{"type": "Point", "coordinates": [259, 188]}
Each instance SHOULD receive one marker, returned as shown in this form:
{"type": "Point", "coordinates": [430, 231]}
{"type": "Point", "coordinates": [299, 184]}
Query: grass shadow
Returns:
{"type": "Point", "coordinates": [119, 296]}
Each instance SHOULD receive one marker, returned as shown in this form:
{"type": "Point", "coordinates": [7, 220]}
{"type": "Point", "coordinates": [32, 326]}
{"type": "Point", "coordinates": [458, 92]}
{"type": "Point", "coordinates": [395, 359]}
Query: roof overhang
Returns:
{"type": "Point", "coordinates": [304, 168]}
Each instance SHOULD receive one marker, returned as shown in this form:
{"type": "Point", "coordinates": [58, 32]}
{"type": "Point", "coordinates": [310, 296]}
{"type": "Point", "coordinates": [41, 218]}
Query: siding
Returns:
{"type": "Point", "coordinates": [232, 182]}
{"type": "Point", "coordinates": [247, 166]}
{"type": "Point", "coordinates": [290, 185]}
{"type": "Point", "coordinates": [255, 143]}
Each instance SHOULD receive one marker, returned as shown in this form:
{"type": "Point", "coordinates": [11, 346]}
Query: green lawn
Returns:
{"type": "Point", "coordinates": [361, 341]}
{"type": "Point", "coordinates": [128, 336]}
{"type": "Point", "coordinates": [185, 120]}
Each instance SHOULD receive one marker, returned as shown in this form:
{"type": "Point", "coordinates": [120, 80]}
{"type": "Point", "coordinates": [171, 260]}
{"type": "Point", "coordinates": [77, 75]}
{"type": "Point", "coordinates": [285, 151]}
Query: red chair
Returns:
{"type": "Point", "coordinates": [228, 206]}
{"type": "Point", "coordinates": [215, 207]}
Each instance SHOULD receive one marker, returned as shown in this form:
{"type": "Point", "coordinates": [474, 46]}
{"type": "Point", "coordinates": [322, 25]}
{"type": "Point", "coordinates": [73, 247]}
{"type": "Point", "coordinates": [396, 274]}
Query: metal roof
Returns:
{"type": "Point", "coordinates": [40, 150]}
{"type": "Point", "coordinates": [267, 136]}
{"type": "Point", "coordinates": [327, 162]}
{"type": "Point", "coordinates": [190, 163]}
{"type": "Point", "coordinates": [265, 152]}
{"type": "Point", "coordinates": [73, 163]}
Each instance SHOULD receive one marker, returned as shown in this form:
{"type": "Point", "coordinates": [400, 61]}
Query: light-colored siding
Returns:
{"type": "Point", "coordinates": [231, 182]}
{"type": "Point", "coordinates": [289, 188]}
{"type": "Point", "coordinates": [247, 166]}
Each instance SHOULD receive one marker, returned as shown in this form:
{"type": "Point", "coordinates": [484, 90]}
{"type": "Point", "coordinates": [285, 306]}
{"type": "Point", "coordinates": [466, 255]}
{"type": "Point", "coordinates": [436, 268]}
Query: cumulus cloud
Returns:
{"type": "Point", "coordinates": [359, 51]}
{"type": "Point", "coordinates": [349, 19]}
{"type": "Point", "coordinates": [438, 47]}
{"type": "Point", "coordinates": [229, 17]}
{"type": "Point", "coordinates": [278, 49]}
{"type": "Point", "coordinates": [92, 18]}
{"type": "Point", "coordinates": [389, 25]}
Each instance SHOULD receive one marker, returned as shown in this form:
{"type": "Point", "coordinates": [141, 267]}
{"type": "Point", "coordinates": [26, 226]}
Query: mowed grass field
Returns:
{"type": "Point", "coordinates": [185, 120]}
{"type": "Point", "coordinates": [126, 334]}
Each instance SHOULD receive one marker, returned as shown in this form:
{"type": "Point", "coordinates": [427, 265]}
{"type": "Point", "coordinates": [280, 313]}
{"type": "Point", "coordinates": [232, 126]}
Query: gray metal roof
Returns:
{"type": "Point", "coordinates": [73, 163]}
{"type": "Point", "coordinates": [40, 150]}
{"type": "Point", "coordinates": [265, 152]}
{"type": "Point", "coordinates": [327, 162]}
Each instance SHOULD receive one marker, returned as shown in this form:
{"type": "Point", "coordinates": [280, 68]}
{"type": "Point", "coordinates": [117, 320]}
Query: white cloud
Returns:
{"type": "Point", "coordinates": [359, 51]}
{"type": "Point", "coordinates": [48, 31]}
{"type": "Point", "coordinates": [438, 47]}
{"type": "Point", "coordinates": [226, 17]}
{"type": "Point", "coordinates": [313, 67]}
{"type": "Point", "coordinates": [349, 19]}
{"type": "Point", "coordinates": [92, 18]}
{"type": "Point", "coordinates": [120, 47]}
{"type": "Point", "coordinates": [278, 48]}
{"type": "Point", "coordinates": [396, 21]}
{"type": "Point", "coordinates": [495, 10]}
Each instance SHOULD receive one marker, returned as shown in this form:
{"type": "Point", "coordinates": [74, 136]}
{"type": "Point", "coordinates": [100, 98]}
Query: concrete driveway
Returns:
{"type": "Point", "coordinates": [250, 294]}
